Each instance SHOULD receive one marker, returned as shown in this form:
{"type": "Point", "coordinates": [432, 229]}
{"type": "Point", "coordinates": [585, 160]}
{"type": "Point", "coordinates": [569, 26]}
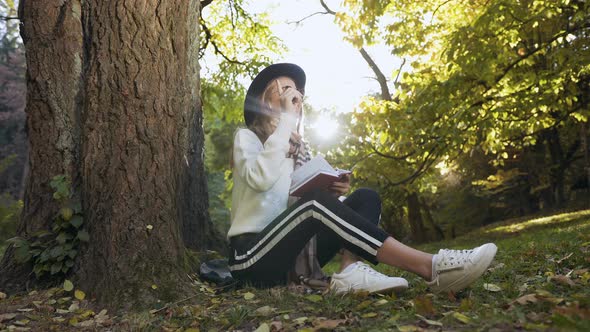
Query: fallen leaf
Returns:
{"type": "Point", "coordinates": [22, 322]}
{"type": "Point", "coordinates": [451, 296]}
{"type": "Point", "coordinates": [2, 296]}
{"type": "Point", "coordinates": [263, 328]}
{"type": "Point", "coordinates": [314, 297]}
{"type": "Point", "coordinates": [429, 321]}
{"type": "Point", "coordinates": [154, 286]}
{"type": "Point", "coordinates": [423, 306]}
{"type": "Point", "coordinates": [249, 296]}
{"type": "Point", "coordinates": [80, 295]}
{"type": "Point", "coordinates": [300, 320]}
{"type": "Point", "coordinates": [492, 287]}
{"type": "Point", "coordinates": [68, 285]}
{"type": "Point", "coordinates": [73, 307]}
{"type": "Point", "coordinates": [408, 328]}
{"type": "Point", "coordinates": [25, 310]}
{"type": "Point", "coordinates": [466, 305]}
{"type": "Point", "coordinates": [496, 267]}
{"type": "Point", "coordinates": [364, 304]}
{"type": "Point", "coordinates": [522, 288]}
{"type": "Point", "coordinates": [536, 317]}
{"type": "Point", "coordinates": [6, 317]}
{"type": "Point", "coordinates": [149, 227]}
{"type": "Point", "coordinates": [564, 280]}
{"type": "Point", "coordinates": [86, 314]}
{"type": "Point", "coordinates": [381, 302]}
{"type": "Point", "coordinates": [264, 311]}
{"type": "Point", "coordinates": [462, 318]}
{"type": "Point", "coordinates": [548, 297]}
{"type": "Point", "coordinates": [275, 325]}
{"type": "Point", "coordinates": [369, 315]}
{"type": "Point", "coordinates": [328, 324]}
{"type": "Point", "coordinates": [192, 329]}
{"type": "Point", "coordinates": [87, 323]}
{"type": "Point", "coordinates": [529, 298]}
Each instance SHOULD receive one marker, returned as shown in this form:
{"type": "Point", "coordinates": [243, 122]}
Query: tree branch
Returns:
{"type": "Point", "coordinates": [399, 71]}
{"type": "Point", "coordinates": [308, 16]}
{"type": "Point", "coordinates": [209, 40]}
{"type": "Point", "coordinates": [326, 8]}
{"type": "Point", "coordinates": [205, 3]}
{"type": "Point", "coordinates": [428, 161]}
{"type": "Point", "coordinates": [437, 8]}
{"type": "Point", "coordinates": [8, 18]}
{"type": "Point", "coordinates": [384, 155]}
{"type": "Point", "coordinates": [385, 95]}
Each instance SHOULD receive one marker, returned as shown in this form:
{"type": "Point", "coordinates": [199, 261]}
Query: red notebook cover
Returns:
{"type": "Point", "coordinates": [320, 180]}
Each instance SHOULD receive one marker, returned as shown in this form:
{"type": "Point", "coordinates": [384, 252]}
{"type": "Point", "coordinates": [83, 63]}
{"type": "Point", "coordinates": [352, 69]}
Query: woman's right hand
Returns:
{"type": "Point", "coordinates": [291, 99]}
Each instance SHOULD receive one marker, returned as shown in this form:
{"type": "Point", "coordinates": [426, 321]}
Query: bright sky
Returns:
{"type": "Point", "coordinates": [337, 75]}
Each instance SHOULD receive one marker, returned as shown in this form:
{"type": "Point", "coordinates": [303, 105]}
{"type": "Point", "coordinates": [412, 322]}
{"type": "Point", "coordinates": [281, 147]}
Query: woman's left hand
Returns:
{"type": "Point", "coordinates": [341, 187]}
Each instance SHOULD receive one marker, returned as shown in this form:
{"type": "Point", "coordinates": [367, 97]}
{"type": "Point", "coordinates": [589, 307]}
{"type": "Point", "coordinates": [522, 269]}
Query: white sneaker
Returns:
{"type": "Point", "coordinates": [457, 269]}
{"type": "Point", "coordinates": [359, 276]}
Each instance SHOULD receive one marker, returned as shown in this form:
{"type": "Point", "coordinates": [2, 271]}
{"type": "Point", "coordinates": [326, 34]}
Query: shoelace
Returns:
{"type": "Point", "coordinates": [364, 267]}
{"type": "Point", "coordinates": [450, 258]}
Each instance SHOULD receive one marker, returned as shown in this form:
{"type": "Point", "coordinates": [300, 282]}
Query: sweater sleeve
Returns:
{"type": "Point", "coordinates": [260, 165]}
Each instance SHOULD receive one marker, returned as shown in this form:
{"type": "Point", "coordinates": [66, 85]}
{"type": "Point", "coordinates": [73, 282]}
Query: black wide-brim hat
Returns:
{"type": "Point", "coordinates": [256, 89]}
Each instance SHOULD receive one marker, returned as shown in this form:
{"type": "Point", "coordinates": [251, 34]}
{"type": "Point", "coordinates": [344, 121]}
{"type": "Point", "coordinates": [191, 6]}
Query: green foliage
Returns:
{"type": "Point", "coordinates": [235, 46]}
{"type": "Point", "coordinates": [240, 44]}
{"type": "Point", "coordinates": [7, 162]}
{"type": "Point", "coordinates": [10, 210]}
{"type": "Point", "coordinates": [505, 83]}
{"type": "Point", "coordinates": [9, 37]}
{"type": "Point", "coordinates": [218, 196]}
{"type": "Point", "coordinates": [53, 252]}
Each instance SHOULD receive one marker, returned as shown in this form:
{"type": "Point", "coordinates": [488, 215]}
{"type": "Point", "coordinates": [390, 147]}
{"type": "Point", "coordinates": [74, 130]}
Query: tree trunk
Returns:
{"type": "Point", "coordinates": [197, 230]}
{"type": "Point", "coordinates": [557, 169]}
{"type": "Point", "coordinates": [52, 36]}
{"type": "Point", "coordinates": [586, 152]}
{"type": "Point", "coordinates": [415, 218]}
{"type": "Point", "coordinates": [113, 102]}
{"type": "Point", "coordinates": [439, 234]}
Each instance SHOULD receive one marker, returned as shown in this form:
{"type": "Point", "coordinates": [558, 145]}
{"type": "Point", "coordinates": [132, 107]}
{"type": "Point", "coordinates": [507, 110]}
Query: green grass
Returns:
{"type": "Point", "coordinates": [544, 263]}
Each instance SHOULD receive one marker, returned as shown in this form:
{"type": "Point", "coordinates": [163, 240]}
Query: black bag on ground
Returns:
{"type": "Point", "coordinates": [216, 271]}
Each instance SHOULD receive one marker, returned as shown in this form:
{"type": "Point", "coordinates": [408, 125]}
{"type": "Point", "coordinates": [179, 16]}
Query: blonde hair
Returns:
{"type": "Point", "coordinates": [265, 122]}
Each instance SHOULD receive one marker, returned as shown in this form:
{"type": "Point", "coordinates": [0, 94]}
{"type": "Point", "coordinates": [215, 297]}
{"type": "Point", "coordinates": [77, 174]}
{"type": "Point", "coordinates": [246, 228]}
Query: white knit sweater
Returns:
{"type": "Point", "coordinates": [262, 177]}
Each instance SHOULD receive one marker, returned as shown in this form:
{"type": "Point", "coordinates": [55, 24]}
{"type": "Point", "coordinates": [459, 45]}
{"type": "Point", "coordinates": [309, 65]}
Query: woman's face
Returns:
{"type": "Point", "coordinates": [271, 95]}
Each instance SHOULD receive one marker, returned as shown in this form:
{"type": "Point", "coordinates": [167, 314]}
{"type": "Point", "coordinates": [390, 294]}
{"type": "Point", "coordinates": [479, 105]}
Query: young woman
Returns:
{"type": "Point", "coordinates": [266, 235]}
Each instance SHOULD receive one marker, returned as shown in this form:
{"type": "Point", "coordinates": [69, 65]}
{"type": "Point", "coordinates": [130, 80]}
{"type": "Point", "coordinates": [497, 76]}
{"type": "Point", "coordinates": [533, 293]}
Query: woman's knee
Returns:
{"type": "Point", "coordinates": [320, 195]}
{"type": "Point", "coordinates": [367, 195]}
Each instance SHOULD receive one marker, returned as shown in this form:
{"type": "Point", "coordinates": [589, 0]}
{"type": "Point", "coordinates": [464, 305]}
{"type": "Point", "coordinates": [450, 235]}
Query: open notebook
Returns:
{"type": "Point", "coordinates": [316, 173]}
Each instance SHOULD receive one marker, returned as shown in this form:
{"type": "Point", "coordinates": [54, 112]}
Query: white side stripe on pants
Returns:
{"type": "Point", "coordinates": [330, 222]}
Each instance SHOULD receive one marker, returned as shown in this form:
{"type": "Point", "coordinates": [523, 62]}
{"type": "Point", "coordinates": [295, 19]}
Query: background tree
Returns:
{"type": "Point", "coordinates": [235, 46]}
{"type": "Point", "coordinates": [12, 100]}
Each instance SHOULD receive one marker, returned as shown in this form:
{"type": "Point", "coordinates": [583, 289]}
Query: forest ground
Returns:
{"type": "Point", "coordinates": [540, 280]}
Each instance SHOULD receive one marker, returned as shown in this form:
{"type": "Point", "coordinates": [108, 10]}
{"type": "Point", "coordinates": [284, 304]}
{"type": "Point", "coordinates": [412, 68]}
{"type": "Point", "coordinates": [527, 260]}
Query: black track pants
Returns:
{"type": "Point", "coordinates": [265, 258]}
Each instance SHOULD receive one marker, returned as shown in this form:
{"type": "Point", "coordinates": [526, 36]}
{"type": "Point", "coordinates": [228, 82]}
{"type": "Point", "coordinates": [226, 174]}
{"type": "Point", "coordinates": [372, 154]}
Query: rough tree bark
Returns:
{"type": "Point", "coordinates": [52, 36]}
{"type": "Point", "coordinates": [113, 102]}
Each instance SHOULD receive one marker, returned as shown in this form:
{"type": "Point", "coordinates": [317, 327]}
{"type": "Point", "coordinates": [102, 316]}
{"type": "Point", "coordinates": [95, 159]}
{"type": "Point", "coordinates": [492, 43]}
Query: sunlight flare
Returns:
{"type": "Point", "coordinates": [325, 126]}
